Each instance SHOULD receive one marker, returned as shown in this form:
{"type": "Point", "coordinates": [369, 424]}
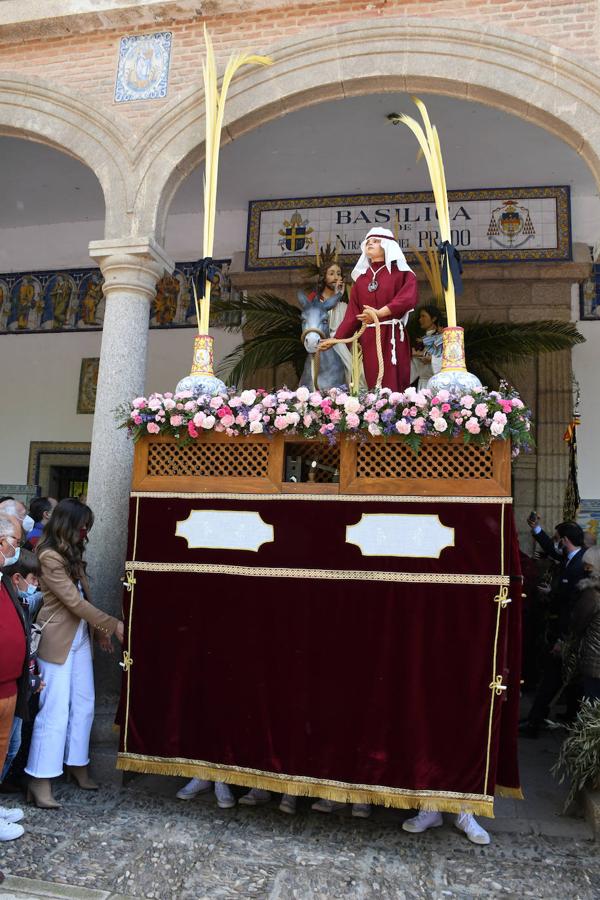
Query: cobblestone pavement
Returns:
{"type": "Point", "coordinates": [139, 841]}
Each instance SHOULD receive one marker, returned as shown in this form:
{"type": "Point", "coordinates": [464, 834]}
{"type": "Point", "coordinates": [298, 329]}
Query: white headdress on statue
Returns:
{"type": "Point", "coordinates": [390, 247]}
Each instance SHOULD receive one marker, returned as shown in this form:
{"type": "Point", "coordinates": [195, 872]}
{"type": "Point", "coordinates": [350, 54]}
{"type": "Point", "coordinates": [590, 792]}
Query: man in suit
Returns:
{"type": "Point", "coordinates": [14, 660]}
{"type": "Point", "coordinates": [566, 549]}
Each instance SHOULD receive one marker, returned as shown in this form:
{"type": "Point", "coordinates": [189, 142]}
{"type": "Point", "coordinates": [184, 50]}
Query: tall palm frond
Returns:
{"type": "Point", "coordinates": [502, 342]}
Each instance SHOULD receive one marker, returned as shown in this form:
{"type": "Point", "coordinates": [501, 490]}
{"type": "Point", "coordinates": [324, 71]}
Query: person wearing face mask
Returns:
{"type": "Point", "coordinates": [16, 508]}
{"type": "Point", "coordinates": [24, 578]}
{"type": "Point", "coordinates": [14, 660]}
{"type": "Point", "coordinates": [566, 548]}
{"type": "Point", "coordinates": [40, 510]}
{"type": "Point", "coordinates": [68, 622]}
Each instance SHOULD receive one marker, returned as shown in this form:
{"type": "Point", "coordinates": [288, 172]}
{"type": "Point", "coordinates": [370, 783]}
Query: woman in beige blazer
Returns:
{"type": "Point", "coordinates": [69, 621]}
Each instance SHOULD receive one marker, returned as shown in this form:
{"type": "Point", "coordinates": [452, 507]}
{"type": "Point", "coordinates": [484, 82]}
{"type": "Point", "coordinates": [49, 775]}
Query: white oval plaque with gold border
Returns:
{"type": "Point", "coordinates": [217, 529]}
{"type": "Point", "coordinates": [380, 534]}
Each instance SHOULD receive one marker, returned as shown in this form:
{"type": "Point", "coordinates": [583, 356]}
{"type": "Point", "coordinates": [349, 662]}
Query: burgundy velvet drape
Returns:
{"type": "Point", "coordinates": [353, 681]}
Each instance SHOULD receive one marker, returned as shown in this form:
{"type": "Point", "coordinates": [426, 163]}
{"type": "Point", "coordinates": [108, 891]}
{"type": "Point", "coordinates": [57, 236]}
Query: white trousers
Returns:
{"type": "Point", "coordinates": [61, 731]}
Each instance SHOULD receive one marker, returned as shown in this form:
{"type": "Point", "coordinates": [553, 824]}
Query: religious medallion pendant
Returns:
{"type": "Point", "coordinates": [372, 286]}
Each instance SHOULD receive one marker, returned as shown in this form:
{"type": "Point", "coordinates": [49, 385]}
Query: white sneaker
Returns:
{"type": "Point", "coordinates": [468, 823]}
{"type": "Point", "coordinates": [9, 831]}
{"type": "Point", "coordinates": [327, 806]}
{"type": "Point", "coordinates": [422, 821]}
{"type": "Point", "coordinates": [288, 804]}
{"type": "Point", "coordinates": [255, 797]}
{"type": "Point", "coordinates": [225, 799]}
{"type": "Point", "coordinates": [361, 810]}
{"type": "Point", "coordinates": [12, 814]}
{"type": "Point", "coordinates": [193, 788]}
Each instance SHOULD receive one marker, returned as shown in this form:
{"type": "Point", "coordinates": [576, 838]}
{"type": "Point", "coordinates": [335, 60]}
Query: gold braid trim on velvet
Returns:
{"type": "Point", "coordinates": [301, 786]}
{"type": "Point", "coordinates": [332, 498]}
{"type": "Point", "coordinates": [496, 683]}
{"type": "Point", "coordinates": [326, 574]}
{"type": "Point", "coordinates": [127, 661]}
{"type": "Point", "coordinates": [515, 793]}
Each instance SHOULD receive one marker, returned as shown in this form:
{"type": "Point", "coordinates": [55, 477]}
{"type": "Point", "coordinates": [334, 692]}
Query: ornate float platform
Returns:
{"type": "Point", "coordinates": [329, 619]}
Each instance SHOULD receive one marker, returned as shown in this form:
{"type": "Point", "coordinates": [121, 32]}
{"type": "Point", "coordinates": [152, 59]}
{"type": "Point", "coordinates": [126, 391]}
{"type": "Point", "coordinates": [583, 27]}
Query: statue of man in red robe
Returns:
{"type": "Point", "coordinates": [386, 287]}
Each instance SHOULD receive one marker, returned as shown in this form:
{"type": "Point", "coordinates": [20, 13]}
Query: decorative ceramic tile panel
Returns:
{"type": "Point", "coordinates": [143, 70]}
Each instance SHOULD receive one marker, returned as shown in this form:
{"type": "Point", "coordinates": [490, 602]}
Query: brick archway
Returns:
{"type": "Point", "coordinates": [34, 110]}
{"type": "Point", "coordinates": [520, 75]}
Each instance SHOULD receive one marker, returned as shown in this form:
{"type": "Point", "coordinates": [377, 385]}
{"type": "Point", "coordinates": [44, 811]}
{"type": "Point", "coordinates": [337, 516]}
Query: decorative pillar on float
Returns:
{"type": "Point", "coordinates": [453, 374]}
{"type": "Point", "coordinates": [202, 379]}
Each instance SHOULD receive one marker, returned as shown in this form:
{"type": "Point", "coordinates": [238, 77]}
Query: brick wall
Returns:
{"type": "Point", "coordinates": [87, 62]}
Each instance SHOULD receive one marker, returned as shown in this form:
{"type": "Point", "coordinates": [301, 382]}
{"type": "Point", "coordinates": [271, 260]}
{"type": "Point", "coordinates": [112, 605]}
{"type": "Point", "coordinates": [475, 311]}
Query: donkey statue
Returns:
{"type": "Point", "coordinates": [315, 328]}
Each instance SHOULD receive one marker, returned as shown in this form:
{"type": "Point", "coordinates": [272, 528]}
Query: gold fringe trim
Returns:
{"type": "Point", "coordinates": [300, 786]}
{"type": "Point", "coordinates": [515, 793]}
{"type": "Point", "coordinates": [327, 498]}
{"type": "Point", "coordinates": [327, 574]}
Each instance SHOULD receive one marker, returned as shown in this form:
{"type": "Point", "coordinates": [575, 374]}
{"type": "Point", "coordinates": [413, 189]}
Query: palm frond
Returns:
{"type": "Point", "coordinates": [267, 350]}
{"type": "Point", "coordinates": [258, 313]}
{"type": "Point", "coordinates": [493, 343]}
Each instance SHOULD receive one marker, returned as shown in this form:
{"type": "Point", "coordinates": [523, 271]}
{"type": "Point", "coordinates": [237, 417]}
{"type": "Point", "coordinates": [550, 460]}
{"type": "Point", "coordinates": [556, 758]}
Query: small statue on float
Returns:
{"type": "Point", "coordinates": [384, 294]}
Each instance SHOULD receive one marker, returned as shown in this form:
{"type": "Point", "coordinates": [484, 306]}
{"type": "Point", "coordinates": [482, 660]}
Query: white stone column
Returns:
{"type": "Point", "coordinates": [131, 267]}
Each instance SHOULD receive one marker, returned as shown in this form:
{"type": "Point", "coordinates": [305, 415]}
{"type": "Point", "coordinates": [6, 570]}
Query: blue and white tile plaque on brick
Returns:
{"type": "Point", "coordinates": [143, 72]}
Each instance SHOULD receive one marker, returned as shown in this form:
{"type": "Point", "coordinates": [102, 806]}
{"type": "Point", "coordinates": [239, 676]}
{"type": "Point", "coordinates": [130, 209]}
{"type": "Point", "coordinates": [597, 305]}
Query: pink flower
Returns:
{"type": "Point", "coordinates": [153, 428]}
{"type": "Point", "coordinates": [307, 420]}
{"type": "Point", "coordinates": [176, 421]}
{"type": "Point", "coordinates": [419, 425]}
{"type": "Point", "coordinates": [281, 409]}
{"type": "Point", "coordinates": [396, 398]}
{"type": "Point", "coordinates": [235, 402]}
{"type": "Point", "coordinates": [440, 425]}
{"type": "Point", "coordinates": [374, 429]}
{"type": "Point", "coordinates": [341, 398]}
{"type": "Point", "coordinates": [191, 430]}
{"type": "Point", "coordinates": [472, 425]}
{"type": "Point", "coordinates": [255, 414]}
{"type": "Point", "coordinates": [420, 400]}
{"type": "Point", "coordinates": [269, 400]}
{"type": "Point", "coordinates": [216, 402]}
{"type": "Point", "coordinates": [444, 395]}
{"type": "Point", "coordinates": [506, 406]}
{"type": "Point", "coordinates": [446, 407]}
{"type": "Point", "coordinates": [169, 404]}
{"type": "Point", "coordinates": [139, 402]}
{"type": "Point", "coordinates": [316, 398]}
{"type": "Point", "coordinates": [500, 418]}
{"type": "Point", "coordinates": [168, 394]}
{"type": "Point", "coordinates": [435, 413]}
{"type": "Point", "coordinates": [281, 422]}
{"type": "Point", "coordinates": [352, 420]}
{"type": "Point", "coordinates": [380, 404]}
{"type": "Point", "coordinates": [335, 415]}
{"type": "Point", "coordinates": [371, 416]}
{"type": "Point", "coordinates": [266, 418]}
{"type": "Point", "coordinates": [435, 400]}
{"type": "Point", "coordinates": [326, 429]}
{"type": "Point", "coordinates": [223, 411]}
{"type": "Point", "coordinates": [138, 420]}
{"type": "Point", "coordinates": [403, 427]}
{"type": "Point", "coordinates": [481, 410]}
{"type": "Point", "coordinates": [199, 419]}
{"type": "Point", "coordinates": [190, 405]}
{"type": "Point", "coordinates": [467, 401]}
{"type": "Point", "coordinates": [516, 403]}
{"type": "Point", "coordinates": [240, 419]}
{"type": "Point", "coordinates": [227, 421]}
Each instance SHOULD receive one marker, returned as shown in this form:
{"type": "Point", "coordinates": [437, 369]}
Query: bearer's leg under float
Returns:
{"type": "Point", "coordinates": [466, 822]}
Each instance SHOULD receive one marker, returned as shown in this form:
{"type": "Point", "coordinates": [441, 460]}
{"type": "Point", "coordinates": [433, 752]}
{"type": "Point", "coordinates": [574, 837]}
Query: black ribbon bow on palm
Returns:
{"type": "Point", "coordinates": [205, 270]}
{"type": "Point", "coordinates": [450, 260]}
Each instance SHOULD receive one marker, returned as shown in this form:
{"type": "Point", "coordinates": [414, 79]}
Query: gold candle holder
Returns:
{"type": "Point", "coordinates": [453, 374]}
{"type": "Point", "coordinates": [202, 379]}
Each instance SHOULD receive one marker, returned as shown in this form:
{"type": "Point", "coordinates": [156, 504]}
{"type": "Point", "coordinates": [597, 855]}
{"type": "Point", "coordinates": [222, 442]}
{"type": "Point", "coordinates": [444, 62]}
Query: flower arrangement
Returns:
{"type": "Point", "coordinates": [412, 415]}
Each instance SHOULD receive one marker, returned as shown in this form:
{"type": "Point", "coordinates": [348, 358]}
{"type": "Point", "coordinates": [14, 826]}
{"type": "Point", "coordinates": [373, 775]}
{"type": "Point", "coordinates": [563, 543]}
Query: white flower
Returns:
{"type": "Point", "coordinates": [374, 428]}
{"type": "Point", "coordinates": [352, 405]}
{"type": "Point", "coordinates": [303, 394]}
{"type": "Point", "coordinates": [440, 424]}
{"type": "Point", "coordinates": [248, 397]}
{"type": "Point", "coordinates": [256, 428]}
{"type": "Point", "coordinates": [496, 428]}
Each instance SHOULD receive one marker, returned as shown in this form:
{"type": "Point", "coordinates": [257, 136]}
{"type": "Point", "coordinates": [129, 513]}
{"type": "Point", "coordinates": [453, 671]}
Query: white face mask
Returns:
{"type": "Point", "coordinates": [11, 560]}
{"type": "Point", "coordinates": [28, 524]}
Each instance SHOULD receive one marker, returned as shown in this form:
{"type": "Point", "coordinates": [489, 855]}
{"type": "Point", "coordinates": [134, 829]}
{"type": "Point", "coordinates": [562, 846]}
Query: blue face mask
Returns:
{"type": "Point", "coordinates": [11, 560]}
{"type": "Point", "coordinates": [31, 590]}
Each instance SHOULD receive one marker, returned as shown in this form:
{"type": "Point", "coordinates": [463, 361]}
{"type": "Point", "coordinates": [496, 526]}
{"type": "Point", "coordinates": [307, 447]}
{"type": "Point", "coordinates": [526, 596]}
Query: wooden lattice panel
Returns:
{"type": "Point", "coordinates": [208, 460]}
{"type": "Point", "coordinates": [435, 460]}
{"type": "Point", "coordinates": [325, 454]}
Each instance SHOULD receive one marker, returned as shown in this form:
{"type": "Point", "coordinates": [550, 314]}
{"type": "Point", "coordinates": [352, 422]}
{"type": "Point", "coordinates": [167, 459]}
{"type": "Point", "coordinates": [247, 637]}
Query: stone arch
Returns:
{"type": "Point", "coordinates": [35, 110]}
{"type": "Point", "coordinates": [516, 73]}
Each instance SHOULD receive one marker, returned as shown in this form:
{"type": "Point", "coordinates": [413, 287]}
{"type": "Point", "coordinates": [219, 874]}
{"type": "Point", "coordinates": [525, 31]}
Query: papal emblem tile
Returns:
{"type": "Point", "coordinates": [143, 71]}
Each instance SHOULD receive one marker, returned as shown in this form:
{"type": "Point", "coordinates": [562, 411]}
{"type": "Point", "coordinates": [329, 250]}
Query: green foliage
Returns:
{"type": "Point", "coordinates": [272, 328]}
{"type": "Point", "coordinates": [579, 756]}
